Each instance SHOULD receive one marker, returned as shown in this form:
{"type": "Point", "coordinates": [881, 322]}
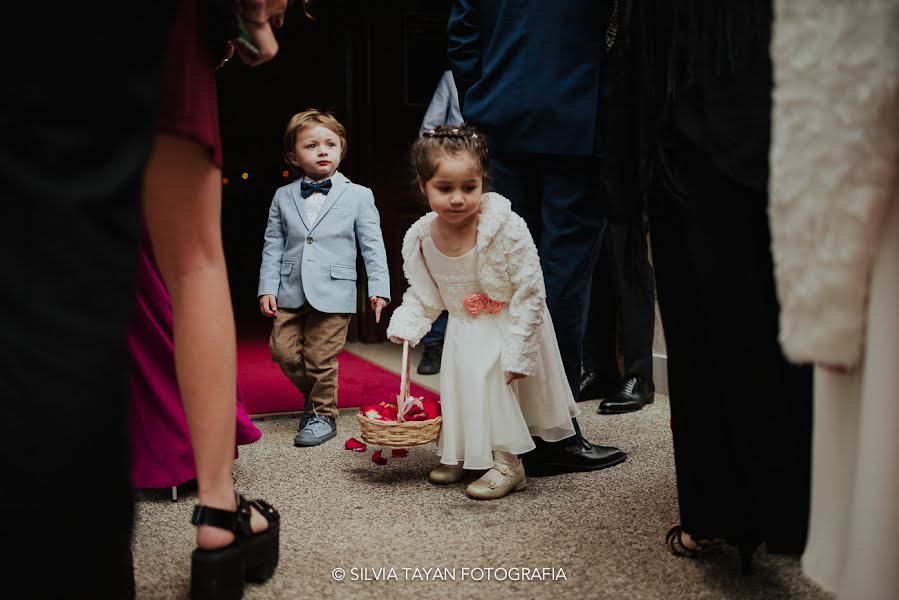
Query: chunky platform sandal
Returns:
{"type": "Point", "coordinates": [219, 574]}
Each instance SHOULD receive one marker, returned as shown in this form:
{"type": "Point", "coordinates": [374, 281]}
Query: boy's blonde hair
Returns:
{"type": "Point", "coordinates": [311, 118]}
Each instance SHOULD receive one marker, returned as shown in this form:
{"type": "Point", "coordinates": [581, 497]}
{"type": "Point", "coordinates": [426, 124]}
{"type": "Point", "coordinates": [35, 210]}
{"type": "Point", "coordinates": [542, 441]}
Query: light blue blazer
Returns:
{"type": "Point", "coordinates": [444, 106]}
{"type": "Point", "coordinates": [316, 262]}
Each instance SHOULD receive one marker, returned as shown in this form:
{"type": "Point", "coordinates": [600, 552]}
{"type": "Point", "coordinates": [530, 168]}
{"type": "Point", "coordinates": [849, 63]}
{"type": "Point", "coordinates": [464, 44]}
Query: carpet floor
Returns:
{"type": "Point", "coordinates": [604, 530]}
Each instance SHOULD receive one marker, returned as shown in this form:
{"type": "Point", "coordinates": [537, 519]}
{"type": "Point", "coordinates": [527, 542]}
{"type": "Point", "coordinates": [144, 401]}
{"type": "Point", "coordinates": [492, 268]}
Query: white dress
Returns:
{"type": "Point", "coordinates": [853, 543]}
{"type": "Point", "coordinates": [480, 412]}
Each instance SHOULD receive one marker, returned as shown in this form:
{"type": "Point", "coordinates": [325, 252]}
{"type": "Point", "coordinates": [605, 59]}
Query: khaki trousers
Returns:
{"type": "Point", "coordinates": [305, 344]}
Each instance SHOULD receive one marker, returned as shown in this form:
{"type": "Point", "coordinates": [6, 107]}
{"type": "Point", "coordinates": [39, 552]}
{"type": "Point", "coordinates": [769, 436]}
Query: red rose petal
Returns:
{"type": "Point", "coordinates": [431, 408]}
{"type": "Point", "coordinates": [399, 452]}
{"type": "Point", "coordinates": [388, 413]}
{"type": "Point", "coordinates": [355, 445]}
{"type": "Point", "coordinates": [378, 459]}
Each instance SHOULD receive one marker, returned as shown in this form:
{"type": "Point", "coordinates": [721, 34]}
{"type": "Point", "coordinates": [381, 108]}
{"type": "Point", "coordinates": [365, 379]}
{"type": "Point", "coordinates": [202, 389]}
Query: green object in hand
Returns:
{"type": "Point", "coordinates": [243, 36]}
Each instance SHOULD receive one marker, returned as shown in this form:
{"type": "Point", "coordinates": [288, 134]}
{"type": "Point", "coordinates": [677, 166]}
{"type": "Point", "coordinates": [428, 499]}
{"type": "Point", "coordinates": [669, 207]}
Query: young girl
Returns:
{"type": "Point", "coordinates": [502, 379]}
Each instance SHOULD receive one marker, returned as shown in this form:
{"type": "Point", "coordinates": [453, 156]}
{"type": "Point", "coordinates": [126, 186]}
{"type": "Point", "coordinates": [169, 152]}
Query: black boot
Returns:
{"type": "Point", "coordinates": [430, 359]}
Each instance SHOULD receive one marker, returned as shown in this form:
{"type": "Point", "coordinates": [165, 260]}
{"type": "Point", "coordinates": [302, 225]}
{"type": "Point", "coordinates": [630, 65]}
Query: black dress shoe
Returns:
{"type": "Point", "coordinates": [595, 385]}
{"type": "Point", "coordinates": [430, 359]}
{"type": "Point", "coordinates": [574, 455]}
{"type": "Point", "coordinates": [634, 394]}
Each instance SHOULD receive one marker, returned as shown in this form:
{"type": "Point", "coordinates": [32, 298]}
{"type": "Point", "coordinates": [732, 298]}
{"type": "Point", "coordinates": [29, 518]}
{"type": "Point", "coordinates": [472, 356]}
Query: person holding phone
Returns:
{"type": "Point", "coordinates": [237, 540]}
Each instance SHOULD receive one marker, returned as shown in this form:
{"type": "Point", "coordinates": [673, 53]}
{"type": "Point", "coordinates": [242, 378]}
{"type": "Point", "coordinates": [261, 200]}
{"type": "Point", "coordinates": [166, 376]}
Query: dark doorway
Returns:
{"type": "Point", "coordinates": [375, 64]}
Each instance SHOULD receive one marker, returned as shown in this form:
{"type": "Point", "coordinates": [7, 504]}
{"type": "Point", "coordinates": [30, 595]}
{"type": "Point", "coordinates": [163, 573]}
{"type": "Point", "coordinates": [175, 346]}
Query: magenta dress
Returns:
{"type": "Point", "coordinates": [160, 442]}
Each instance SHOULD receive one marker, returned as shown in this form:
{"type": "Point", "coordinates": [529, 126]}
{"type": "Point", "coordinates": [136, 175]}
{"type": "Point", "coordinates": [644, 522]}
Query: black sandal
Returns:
{"type": "Point", "coordinates": [675, 542]}
{"type": "Point", "coordinates": [219, 574]}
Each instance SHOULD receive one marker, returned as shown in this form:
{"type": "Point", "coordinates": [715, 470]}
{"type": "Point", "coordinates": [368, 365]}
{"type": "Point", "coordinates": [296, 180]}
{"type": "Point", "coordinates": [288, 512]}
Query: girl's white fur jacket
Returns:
{"type": "Point", "coordinates": [508, 271]}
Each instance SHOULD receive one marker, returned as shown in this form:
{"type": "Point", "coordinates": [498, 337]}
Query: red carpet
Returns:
{"type": "Point", "coordinates": [265, 389]}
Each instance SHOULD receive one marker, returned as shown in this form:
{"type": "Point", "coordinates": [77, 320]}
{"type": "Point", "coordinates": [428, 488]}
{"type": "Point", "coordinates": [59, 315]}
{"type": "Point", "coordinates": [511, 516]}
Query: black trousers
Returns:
{"type": "Point", "coordinates": [559, 198]}
{"type": "Point", "coordinates": [740, 413]}
{"type": "Point", "coordinates": [76, 129]}
{"type": "Point", "coordinates": [623, 291]}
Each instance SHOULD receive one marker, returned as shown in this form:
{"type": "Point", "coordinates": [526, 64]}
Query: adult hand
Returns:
{"type": "Point", "coordinates": [268, 305]}
{"type": "Point", "coordinates": [258, 16]}
{"type": "Point", "coordinates": [510, 377]}
{"type": "Point", "coordinates": [377, 304]}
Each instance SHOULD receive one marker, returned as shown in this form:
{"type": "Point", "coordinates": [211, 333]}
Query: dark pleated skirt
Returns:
{"type": "Point", "coordinates": [741, 415]}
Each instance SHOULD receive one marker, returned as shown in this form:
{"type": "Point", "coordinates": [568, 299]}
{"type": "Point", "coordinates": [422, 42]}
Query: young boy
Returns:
{"type": "Point", "coordinates": [307, 281]}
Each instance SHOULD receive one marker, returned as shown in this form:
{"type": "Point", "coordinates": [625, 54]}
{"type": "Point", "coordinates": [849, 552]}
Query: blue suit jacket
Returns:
{"type": "Point", "coordinates": [532, 74]}
{"type": "Point", "coordinates": [316, 262]}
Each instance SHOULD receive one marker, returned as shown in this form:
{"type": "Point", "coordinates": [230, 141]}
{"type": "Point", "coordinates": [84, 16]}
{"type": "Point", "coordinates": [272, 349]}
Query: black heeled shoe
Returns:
{"type": "Point", "coordinates": [675, 542]}
{"type": "Point", "coordinates": [219, 574]}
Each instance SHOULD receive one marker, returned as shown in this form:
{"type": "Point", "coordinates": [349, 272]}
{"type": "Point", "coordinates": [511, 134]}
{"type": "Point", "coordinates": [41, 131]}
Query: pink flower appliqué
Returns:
{"type": "Point", "coordinates": [475, 303]}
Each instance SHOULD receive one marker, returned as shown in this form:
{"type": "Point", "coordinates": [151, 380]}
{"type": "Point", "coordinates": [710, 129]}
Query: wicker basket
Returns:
{"type": "Point", "coordinates": [400, 434]}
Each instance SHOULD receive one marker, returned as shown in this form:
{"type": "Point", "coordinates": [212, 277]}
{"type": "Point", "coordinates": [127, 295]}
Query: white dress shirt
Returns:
{"type": "Point", "coordinates": [314, 203]}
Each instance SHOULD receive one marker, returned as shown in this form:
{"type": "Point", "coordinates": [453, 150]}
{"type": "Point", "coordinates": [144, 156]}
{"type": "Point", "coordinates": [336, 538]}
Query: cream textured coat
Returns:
{"type": "Point", "coordinates": [508, 269]}
{"type": "Point", "coordinates": [834, 207]}
{"type": "Point", "coordinates": [834, 154]}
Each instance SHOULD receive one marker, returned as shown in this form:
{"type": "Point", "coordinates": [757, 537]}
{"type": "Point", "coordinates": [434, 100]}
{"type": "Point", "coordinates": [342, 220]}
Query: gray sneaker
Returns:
{"type": "Point", "coordinates": [303, 419]}
{"type": "Point", "coordinates": [317, 430]}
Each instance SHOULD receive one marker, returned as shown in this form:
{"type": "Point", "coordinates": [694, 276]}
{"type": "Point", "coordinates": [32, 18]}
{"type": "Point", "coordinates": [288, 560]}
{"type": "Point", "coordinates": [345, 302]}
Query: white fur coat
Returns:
{"type": "Point", "coordinates": [508, 270]}
{"type": "Point", "coordinates": [834, 166]}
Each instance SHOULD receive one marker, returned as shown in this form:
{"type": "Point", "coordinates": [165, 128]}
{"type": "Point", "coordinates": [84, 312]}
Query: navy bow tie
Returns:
{"type": "Point", "coordinates": [322, 187]}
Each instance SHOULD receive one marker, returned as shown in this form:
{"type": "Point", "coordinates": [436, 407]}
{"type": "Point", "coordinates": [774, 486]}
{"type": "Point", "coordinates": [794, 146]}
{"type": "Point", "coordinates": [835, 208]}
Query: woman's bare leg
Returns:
{"type": "Point", "coordinates": [182, 207]}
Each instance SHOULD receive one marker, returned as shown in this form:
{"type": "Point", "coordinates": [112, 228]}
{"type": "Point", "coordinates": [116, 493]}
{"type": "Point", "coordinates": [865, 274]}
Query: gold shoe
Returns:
{"type": "Point", "coordinates": [447, 474]}
{"type": "Point", "coordinates": [490, 489]}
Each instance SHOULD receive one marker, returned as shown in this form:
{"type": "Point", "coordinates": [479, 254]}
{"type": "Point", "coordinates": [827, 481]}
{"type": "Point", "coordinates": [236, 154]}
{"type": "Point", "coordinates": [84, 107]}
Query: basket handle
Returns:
{"type": "Point", "coordinates": [405, 383]}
